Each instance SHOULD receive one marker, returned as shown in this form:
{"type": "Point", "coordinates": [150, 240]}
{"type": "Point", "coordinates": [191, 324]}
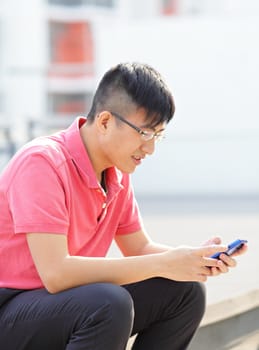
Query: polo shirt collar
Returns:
{"type": "Point", "coordinates": [79, 155]}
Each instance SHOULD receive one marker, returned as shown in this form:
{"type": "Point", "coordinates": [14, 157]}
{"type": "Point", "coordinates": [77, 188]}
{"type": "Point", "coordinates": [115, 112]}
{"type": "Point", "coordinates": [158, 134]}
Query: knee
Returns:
{"type": "Point", "coordinates": [120, 308]}
{"type": "Point", "coordinates": [198, 297]}
{"type": "Point", "coordinates": [118, 305]}
{"type": "Point", "coordinates": [103, 300]}
{"type": "Point", "coordinates": [119, 301]}
{"type": "Point", "coordinates": [192, 297]}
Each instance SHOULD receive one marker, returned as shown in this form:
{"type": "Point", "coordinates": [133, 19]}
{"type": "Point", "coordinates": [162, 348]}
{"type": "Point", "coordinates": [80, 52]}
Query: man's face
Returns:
{"type": "Point", "coordinates": [124, 146]}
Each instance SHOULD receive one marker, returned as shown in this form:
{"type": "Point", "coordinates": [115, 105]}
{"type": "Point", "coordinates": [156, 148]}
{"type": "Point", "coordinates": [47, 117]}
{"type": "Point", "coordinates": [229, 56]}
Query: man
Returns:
{"type": "Point", "coordinates": [63, 199]}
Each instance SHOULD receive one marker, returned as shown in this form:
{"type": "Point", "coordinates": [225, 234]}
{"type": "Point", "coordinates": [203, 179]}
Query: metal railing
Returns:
{"type": "Point", "coordinates": [7, 144]}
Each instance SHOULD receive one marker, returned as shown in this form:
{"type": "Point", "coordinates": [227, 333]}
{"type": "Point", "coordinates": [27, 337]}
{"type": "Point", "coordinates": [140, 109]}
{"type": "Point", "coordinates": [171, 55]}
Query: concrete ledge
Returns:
{"type": "Point", "coordinates": [231, 307]}
{"type": "Point", "coordinates": [230, 324]}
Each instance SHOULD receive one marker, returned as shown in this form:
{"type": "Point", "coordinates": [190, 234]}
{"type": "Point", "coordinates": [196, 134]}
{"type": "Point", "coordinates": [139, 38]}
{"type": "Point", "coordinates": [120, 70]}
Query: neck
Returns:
{"type": "Point", "coordinates": [90, 141]}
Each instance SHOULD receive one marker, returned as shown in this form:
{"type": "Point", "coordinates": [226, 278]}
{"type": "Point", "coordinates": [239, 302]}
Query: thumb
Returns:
{"type": "Point", "coordinates": [212, 240]}
{"type": "Point", "coordinates": [211, 249]}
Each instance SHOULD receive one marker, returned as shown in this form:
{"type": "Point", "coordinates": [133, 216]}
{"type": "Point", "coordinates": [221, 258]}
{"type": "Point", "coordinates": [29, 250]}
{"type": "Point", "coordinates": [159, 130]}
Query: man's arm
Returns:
{"type": "Point", "coordinates": [59, 271]}
{"type": "Point", "coordinates": [140, 244]}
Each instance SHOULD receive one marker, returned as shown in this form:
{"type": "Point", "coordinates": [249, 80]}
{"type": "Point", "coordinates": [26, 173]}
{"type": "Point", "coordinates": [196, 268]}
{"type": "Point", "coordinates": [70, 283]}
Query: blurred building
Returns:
{"type": "Point", "coordinates": [53, 52]}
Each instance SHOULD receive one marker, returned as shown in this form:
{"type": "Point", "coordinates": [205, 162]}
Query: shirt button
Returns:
{"type": "Point", "coordinates": [104, 205]}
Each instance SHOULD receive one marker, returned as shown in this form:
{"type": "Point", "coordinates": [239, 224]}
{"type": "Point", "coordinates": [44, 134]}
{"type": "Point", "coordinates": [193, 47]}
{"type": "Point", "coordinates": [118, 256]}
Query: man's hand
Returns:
{"type": "Point", "coordinates": [191, 264]}
{"type": "Point", "coordinates": [227, 261]}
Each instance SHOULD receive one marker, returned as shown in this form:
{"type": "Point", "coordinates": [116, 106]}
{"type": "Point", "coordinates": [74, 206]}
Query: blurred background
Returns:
{"type": "Point", "coordinates": [203, 179]}
{"type": "Point", "coordinates": [53, 53]}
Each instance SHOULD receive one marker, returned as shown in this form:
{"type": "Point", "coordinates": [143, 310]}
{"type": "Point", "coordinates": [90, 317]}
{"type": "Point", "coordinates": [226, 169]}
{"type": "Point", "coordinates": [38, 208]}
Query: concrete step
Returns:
{"type": "Point", "coordinates": [230, 324]}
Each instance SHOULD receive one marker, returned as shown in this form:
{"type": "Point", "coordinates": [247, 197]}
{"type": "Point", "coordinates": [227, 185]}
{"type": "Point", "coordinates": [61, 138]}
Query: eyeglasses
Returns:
{"type": "Point", "coordinates": [145, 135]}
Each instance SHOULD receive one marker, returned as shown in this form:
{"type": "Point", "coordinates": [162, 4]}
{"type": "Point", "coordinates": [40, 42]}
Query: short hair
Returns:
{"type": "Point", "coordinates": [134, 85]}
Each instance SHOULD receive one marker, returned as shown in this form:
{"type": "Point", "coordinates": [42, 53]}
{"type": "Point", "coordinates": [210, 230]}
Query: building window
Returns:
{"type": "Point", "coordinates": [170, 7]}
{"type": "Point", "coordinates": [103, 3]}
{"type": "Point", "coordinates": [71, 49]}
{"type": "Point", "coordinates": [62, 104]}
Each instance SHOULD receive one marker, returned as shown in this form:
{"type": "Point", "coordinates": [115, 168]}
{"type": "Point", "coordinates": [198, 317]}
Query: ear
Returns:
{"type": "Point", "coordinates": [103, 120]}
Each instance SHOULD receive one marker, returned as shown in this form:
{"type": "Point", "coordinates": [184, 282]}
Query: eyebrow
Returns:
{"type": "Point", "coordinates": [151, 128]}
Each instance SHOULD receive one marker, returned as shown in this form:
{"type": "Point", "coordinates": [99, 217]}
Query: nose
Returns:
{"type": "Point", "coordinates": [148, 147]}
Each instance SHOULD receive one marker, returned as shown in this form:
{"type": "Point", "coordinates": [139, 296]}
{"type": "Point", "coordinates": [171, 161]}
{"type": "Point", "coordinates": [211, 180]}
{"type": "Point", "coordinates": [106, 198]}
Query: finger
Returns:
{"type": "Point", "coordinates": [241, 250]}
{"type": "Point", "coordinates": [206, 271]}
{"type": "Point", "coordinates": [229, 261]}
{"type": "Point", "coordinates": [215, 271]}
{"type": "Point", "coordinates": [223, 268]}
{"type": "Point", "coordinates": [210, 262]}
{"type": "Point", "coordinates": [211, 249]}
{"type": "Point", "coordinates": [212, 240]}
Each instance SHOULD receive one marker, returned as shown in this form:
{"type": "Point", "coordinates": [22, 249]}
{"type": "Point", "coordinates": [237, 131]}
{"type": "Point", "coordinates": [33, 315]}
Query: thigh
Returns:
{"type": "Point", "coordinates": [25, 317]}
{"type": "Point", "coordinates": [39, 320]}
{"type": "Point", "coordinates": [158, 299]}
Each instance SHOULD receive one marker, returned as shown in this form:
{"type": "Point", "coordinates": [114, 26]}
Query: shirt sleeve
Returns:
{"type": "Point", "coordinates": [37, 198]}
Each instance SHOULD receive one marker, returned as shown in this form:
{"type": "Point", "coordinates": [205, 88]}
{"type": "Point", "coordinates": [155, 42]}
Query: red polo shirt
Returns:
{"type": "Point", "coordinates": [50, 186]}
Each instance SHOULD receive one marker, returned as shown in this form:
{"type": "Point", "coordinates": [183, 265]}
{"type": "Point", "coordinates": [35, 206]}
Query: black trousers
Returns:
{"type": "Point", "coordinates": [163, 313]}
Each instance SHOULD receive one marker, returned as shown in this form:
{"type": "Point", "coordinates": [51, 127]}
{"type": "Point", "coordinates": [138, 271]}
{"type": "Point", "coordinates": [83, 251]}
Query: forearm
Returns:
{"type": "Point", "coordinates": [154, 248]}
{"type": "Point", "coordinates": [180, 264]}
{"type": "Point", "coordinates": [76, 271]}
{"type": "Point", "coordinates": [138, 244]}
{"type": "Point", "coordinates": [59, 271]}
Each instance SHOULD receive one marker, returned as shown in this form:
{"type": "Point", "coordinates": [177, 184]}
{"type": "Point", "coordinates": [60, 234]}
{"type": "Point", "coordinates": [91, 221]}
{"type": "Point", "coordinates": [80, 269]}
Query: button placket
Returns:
{"type": "Point", "coordinates": [103, 205]}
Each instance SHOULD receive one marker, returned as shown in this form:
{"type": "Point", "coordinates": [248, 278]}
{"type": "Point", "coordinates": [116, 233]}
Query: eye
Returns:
{"type": "Point", "coordinates": [159, 136]}
{"type": "Point", "coordinates": [147, 135]}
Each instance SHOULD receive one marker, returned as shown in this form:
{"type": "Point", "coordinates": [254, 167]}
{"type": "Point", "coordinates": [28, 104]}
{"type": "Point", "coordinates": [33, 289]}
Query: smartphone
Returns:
{"type": "Point", "coordinates": [232, 247]}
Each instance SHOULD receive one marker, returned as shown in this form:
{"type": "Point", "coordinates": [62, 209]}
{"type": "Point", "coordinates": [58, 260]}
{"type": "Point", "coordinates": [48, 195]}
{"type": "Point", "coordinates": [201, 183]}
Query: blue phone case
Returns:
{"type": "Point", "coordinates": [232, 247]}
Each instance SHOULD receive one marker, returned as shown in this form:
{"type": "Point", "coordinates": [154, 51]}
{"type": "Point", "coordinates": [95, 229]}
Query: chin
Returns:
{"type": "Point", "coordinates": [127, 170]}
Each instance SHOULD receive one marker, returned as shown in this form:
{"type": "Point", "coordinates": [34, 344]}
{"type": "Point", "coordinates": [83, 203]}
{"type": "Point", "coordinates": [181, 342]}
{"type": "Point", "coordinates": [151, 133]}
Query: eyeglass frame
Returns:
{"type": "Point", "coordinates": [146, 135]}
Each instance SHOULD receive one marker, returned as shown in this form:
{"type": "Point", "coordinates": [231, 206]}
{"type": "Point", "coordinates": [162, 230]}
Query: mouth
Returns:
{"type": "Point", "coordinates": [137, 159]}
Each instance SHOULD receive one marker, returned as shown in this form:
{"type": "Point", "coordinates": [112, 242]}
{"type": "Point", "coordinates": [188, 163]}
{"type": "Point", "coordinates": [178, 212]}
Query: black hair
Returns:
{"type": "Point", "coordinates": [134, 85]}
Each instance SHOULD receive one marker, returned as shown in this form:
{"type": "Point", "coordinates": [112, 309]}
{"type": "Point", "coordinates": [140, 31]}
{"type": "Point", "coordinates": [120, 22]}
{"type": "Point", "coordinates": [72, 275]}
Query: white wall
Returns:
{"type": "Point", "coordinates": [212, 68]}
{"type": "Point", "coordinates": [24, 62]}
